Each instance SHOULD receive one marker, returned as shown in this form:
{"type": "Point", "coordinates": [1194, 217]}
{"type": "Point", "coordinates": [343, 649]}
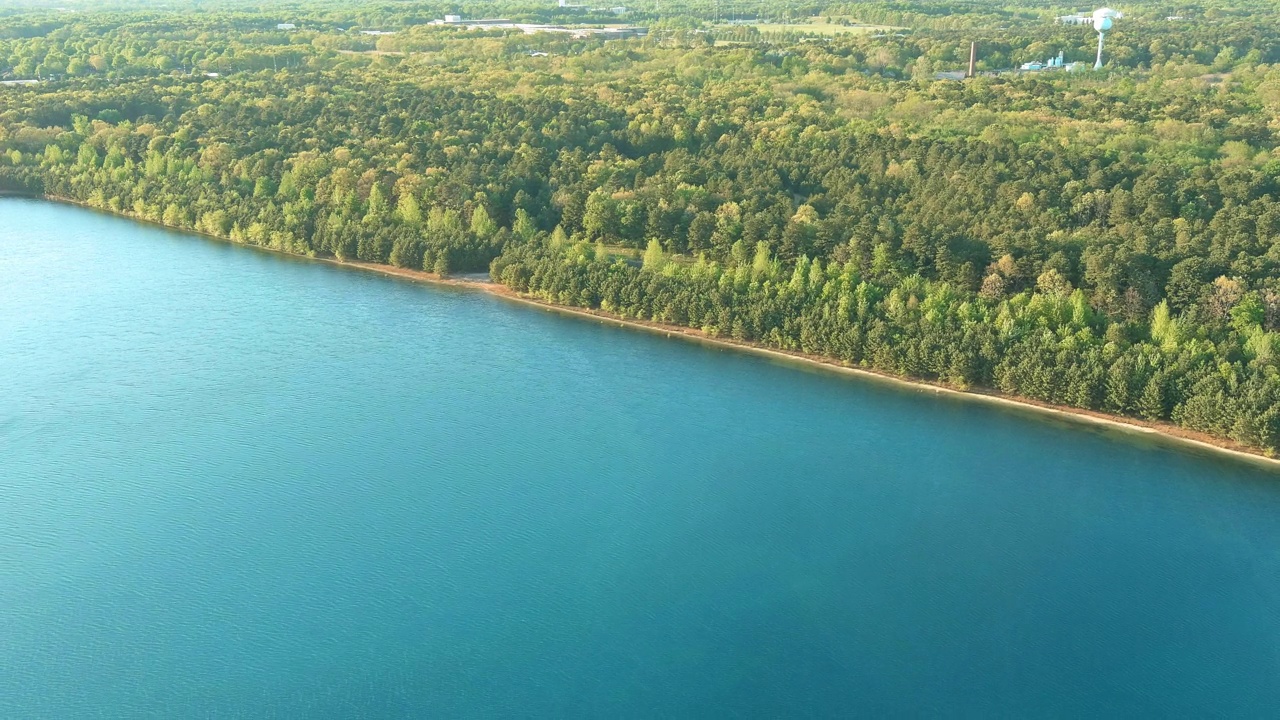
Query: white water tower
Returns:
{"type": "Point", "coordinates": [1103, 19]}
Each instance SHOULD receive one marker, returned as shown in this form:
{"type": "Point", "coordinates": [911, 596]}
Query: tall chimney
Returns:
{"type": "Point", "coordinates": [973, 60]}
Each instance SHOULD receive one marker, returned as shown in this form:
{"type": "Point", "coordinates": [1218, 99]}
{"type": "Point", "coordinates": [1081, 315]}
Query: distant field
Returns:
{"type": "Point", "coordinates": [818, 26]}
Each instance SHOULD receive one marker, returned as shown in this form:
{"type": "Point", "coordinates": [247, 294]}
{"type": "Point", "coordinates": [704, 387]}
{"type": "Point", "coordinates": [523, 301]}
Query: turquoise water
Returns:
{"type": "Point", "coordinates": [234, 484]}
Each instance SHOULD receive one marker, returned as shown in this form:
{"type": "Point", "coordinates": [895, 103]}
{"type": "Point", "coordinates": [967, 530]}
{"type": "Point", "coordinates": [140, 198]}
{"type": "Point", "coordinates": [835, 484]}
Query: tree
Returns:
{"type": "Point", "coordinates": [1051, 282]}
{"type": "Point", "coordinates": [482, 226]}
{"type": "Point", "coordinates": [408, 211]}
{"type": "Point", "coordinates": [1248, 313]}
{"type": "Point", "coordinates": [263, 188]}
{"type": "Point", "coordinates": [523, 226]}
{"type": "Point", "coordinates": [600, 220]}
{"type": "Point", "coordinates": [1165, 329]}
{"type": "Point", "coordinates": [377, 206]}
{"type": "Point", "coordinates": [655, 260]}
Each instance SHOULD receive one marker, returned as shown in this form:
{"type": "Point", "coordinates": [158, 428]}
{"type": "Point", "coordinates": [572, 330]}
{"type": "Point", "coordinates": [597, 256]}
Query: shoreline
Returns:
{"type": "Point", "coordinates": [1167, 433]}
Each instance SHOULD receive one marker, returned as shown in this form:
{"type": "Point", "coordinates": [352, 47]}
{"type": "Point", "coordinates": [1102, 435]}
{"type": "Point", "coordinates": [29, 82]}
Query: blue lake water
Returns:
{"type": "Point", "coordinates": [234, 484]}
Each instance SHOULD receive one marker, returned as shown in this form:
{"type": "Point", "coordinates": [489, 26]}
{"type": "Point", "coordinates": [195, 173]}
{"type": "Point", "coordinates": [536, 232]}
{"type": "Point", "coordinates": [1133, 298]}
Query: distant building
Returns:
{"type": "Point", "coordinates": [378, 33]}
{"type": "Point", "coordinates": [1077, 19]}
{"type": "Point", "coordinates": [614, 33]}
{"type": "Point", "coordinates": [286, 26]}
{"type": "Point", "coordinates": [537, 53]}
{"type": "Point", "coordinates": [473, 24]}
{"type": "Point", "coordinates": [1053, 63]}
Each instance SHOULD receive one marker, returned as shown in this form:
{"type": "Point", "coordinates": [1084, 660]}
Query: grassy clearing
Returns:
{"type": "Point", "coordinates": [622, 251]}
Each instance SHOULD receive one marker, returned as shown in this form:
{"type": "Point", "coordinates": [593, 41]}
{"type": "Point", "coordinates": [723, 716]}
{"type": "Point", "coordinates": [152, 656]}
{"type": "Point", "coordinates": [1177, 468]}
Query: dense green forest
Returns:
{"type": "Point", "coordinates": [791, 175]}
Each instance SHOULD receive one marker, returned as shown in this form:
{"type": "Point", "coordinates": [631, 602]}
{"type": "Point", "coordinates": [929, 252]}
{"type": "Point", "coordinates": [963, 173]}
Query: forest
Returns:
{"type": "Point", "coordinates": [811, 177]}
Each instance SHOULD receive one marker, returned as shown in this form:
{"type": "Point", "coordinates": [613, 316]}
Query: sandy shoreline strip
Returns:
{"type": "Point", "coordinates": [1165, 431]}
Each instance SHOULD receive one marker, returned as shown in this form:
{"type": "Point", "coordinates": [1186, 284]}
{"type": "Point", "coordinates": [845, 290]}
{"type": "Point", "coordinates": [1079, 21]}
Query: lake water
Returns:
{"type": "Point", "coordinates": [234, 484]}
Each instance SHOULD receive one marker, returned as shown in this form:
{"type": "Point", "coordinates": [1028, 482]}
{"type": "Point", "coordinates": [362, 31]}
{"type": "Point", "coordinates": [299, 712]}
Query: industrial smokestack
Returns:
{"type": "Point", "coordinates": [973, 60]}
